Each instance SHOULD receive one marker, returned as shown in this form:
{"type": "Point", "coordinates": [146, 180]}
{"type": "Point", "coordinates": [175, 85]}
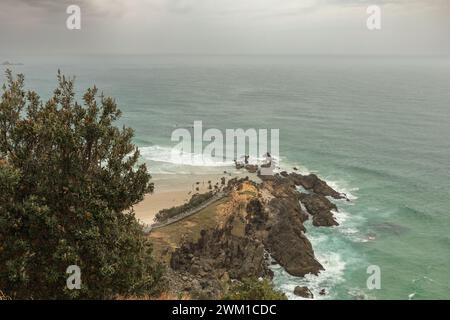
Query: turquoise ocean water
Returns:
{"type": "Point", "coordinates": [377, 128]}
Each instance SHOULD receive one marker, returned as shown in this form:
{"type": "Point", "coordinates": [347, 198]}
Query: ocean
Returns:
{"type": "Point", "coordinates": [376, 128]}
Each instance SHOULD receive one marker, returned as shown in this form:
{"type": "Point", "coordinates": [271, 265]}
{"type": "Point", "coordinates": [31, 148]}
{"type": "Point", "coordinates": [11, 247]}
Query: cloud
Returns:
{"type": "Point", "coordinates": [221, 26]}
{"type": "Point", "coordinates": [50, 8]}
{"type": "Point", "coordinates": [181, 6]}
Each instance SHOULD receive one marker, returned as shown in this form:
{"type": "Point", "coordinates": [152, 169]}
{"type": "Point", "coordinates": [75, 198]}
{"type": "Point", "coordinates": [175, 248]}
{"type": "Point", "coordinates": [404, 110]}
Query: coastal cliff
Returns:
{"type": "Point", "coordinates": [259, 223]}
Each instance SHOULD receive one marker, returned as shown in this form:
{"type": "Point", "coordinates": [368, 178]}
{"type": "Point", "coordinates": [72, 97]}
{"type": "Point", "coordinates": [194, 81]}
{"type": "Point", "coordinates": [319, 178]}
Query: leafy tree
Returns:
{"type": "Point", "coordinates": [254, 289]}
{"type": "Point", "coordinates": [68, 181]}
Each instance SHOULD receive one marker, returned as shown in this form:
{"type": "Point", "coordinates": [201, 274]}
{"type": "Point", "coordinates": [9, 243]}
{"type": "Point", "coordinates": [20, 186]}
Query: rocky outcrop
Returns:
{"type": "Point", "coordinates": [303, 292]}
{"type": "Point", "coordinates": [285, 238]}
{"type": "Point", "coordinates": [313, 183]}
{"type": "Point", "coordinates": [289, 246]}
{"type": "Point", "coordinates": [320, 208]}
{"type": "Point", "coordinates": [219, 255]}
{"type": "Point", "coordinates": [260, 219]}
{"type": "Point", "coordinates": [185, 284]}
{"type": "Point", "coordinates": [251, 168]}
{"type": "Point", "coordinates": [219, 251]}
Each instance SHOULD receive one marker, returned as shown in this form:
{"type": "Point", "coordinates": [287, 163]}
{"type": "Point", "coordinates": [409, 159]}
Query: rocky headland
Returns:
{"type": "Point", "coordinates": [258, 223]}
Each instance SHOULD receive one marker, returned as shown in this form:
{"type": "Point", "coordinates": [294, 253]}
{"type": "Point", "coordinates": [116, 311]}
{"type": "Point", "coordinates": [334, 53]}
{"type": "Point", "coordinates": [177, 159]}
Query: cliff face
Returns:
{"type": "Point", "coordinates": [219, 251]}
{"type": "Point", "coordinates": [260, 219]}
{"type": "Point", "coordinates": [286, 240]}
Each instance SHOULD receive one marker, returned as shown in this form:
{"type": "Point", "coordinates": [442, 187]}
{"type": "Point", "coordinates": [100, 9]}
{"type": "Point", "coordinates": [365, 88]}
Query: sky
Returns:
{"type": "Point", "coordinates": [38, 27]}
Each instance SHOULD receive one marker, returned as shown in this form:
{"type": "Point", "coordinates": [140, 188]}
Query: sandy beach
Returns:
{"type": "Point", "coordinates": [174, 190]}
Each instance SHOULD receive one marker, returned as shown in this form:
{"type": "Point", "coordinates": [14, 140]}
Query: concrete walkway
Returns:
{"type": "Point", "coordinates": [148, 228]}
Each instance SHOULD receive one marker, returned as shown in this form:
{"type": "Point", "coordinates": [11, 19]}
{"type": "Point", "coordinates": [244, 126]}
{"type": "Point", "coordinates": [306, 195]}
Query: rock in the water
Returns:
{"type": "Point", "coordinates": [324, 219]}
{"type": "Point", "coordinates": [313, 183]}
{"type": "Point", "coordinates": [251, 168]}
{"type": "Point", "coordinates": [286, 242]}
{"type": "Point", "coordinates": [303, 292]}
{"type": "Point", "coordinates": [320, 208]}
{"type": "Point", "coordinates": [285, 239]}
{"type": "Point", "coordinates": [284, 174]}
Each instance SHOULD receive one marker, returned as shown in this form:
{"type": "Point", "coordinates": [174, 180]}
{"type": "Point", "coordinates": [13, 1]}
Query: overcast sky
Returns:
{"type": "Point", "coordinates": [30, 27]}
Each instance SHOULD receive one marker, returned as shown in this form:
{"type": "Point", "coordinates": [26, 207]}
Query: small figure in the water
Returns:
{"type": "Point", "coordinates": [371, 236]}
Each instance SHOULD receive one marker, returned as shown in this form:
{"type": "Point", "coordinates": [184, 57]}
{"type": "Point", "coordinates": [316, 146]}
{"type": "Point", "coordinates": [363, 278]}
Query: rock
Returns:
{"type": "Point", "coordinates": [256, 214]}
{"type": "Point", "coordinates": [313, 183]}
{"type": "Point", "coordinates": [225, 277]}
{"type": "Point", "coordinates": [259, 220]}
{"type": "Point", "coordinates": [219, 249]}
{"type": "Point", "coordinates": [320, 208]}
{"type": "Point", "coordinates": [238, 165]}
{"type": "Point", "coordinates": [315, 203]}
{"type": "Point", "coordinates": [303, 292]}
{"type": "Point", "coordinates": [195, 269]}
{"type": "Point", "coordinates": [322, 292]}
{"type": "Point", "coordinates": [195, 284]}
{"type": "Point", "coordinates": [251, 168]}
{"type": "Point", "coordinates": [285, 239]}
{"type": "Point", "coordinates": [287, 243]}
{"type": "Point", "coordinates": [324, 219]}
{"type": "Point", "coordinates": [204, 284]}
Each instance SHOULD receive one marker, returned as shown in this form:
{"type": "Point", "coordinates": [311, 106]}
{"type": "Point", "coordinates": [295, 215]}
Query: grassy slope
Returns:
{"type": "Point", "coordinates": [166, 239]}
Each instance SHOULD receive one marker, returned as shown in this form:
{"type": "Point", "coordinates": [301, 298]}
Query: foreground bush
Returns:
{"type": "Point", "coordinates": [254, 289]}
{"type": "Point", "coordinates": [68, 181]}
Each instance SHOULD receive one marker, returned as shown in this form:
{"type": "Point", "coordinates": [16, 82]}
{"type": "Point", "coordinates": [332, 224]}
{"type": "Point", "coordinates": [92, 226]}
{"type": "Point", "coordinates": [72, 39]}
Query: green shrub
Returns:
{"type": "Point", "coordinates": [195, 201]}
{"type": "Point", "coordinates": [254, 289]}
{"type": "Point", "coordinates": [68, 181]}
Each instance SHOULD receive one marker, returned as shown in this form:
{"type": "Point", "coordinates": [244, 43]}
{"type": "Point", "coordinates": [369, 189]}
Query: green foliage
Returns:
{"type": "Point", "coordinates": [68, 181]}
{"type": "Point", "coordinates": [254, 289]}
{"type": "Point", "coordinates": [195, 201]}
